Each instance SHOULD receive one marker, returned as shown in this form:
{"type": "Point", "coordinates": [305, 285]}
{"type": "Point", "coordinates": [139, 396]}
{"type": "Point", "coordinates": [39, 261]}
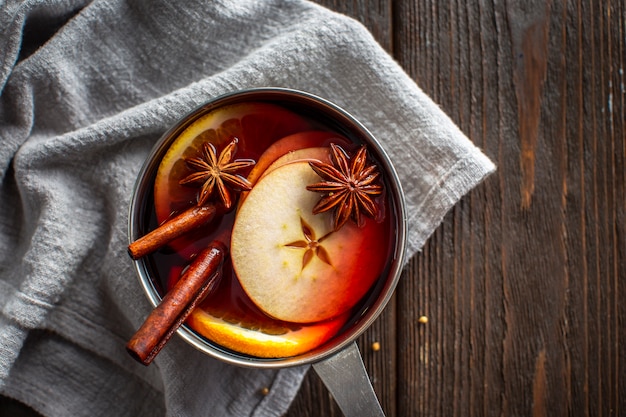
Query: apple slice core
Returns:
{"type": "Point", "coordinates": [290, 262]}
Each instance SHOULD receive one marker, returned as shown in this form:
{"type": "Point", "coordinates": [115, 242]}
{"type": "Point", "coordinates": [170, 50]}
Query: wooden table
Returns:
{"type": "Point", "coordinates": [522, 283]}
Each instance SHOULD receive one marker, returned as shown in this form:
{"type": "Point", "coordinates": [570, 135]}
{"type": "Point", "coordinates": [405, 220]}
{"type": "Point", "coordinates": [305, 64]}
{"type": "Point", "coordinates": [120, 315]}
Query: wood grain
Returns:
{"type": "Point", "coordinates": [522, 282]}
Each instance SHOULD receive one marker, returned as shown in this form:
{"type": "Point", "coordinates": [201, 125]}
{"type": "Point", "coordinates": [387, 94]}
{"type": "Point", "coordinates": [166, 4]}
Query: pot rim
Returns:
{"type": "Point", "coordinates": [145, 181]}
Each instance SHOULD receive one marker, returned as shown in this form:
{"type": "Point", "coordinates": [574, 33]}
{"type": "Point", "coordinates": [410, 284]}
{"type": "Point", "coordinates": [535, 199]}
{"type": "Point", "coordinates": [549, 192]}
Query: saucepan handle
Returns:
{"type": "Point", "coordinates": [346, 378]}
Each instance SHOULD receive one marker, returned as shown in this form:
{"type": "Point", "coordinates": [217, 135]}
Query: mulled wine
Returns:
{"type": "Point", "coordinates": [302, 206]}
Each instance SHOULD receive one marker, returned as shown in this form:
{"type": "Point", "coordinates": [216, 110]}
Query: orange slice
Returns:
{"type": "Point", "coordinates": [263, 338]}
{"type": "Point", "coordinates": [230, 319]}
{"type": "Point", "coordinates": [256, 125]}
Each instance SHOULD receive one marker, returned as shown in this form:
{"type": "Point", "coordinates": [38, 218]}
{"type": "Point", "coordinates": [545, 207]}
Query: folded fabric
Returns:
{"type": "Point", "coordinates": [85, 91]}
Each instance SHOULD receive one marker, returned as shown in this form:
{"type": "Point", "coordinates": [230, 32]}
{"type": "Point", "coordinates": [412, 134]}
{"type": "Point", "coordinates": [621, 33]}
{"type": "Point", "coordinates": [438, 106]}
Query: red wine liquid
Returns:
{"type": "Point", "coordinates": [256, 128]}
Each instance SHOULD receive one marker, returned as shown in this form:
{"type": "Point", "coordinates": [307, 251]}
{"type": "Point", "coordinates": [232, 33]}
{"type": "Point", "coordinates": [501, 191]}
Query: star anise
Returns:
{"type": "Point", "coordinates": [349, 185]}
{"type": "Point", "coordinates": [312, 245]}
{"type": "Point", "coordinates": [216, 172]}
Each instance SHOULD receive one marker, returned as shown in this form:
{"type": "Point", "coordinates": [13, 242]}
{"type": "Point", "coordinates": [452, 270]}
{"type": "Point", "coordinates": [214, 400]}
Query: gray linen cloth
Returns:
{"type": "Point", "coordinates": [86, 88]}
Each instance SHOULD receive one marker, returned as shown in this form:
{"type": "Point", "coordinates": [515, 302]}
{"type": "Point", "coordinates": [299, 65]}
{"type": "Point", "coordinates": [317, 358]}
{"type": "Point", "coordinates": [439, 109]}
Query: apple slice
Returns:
{"type": "Point", "coordinates": [290, 262]}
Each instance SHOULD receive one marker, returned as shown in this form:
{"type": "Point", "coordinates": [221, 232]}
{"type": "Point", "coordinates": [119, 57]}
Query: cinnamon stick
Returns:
{"type": "Point", "coordinates": [171, 229]}
{"type": "Point", "coordinates": [200, 279]}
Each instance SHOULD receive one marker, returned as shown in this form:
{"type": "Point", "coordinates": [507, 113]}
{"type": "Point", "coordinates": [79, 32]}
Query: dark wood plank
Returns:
{"type": "Point", "coordinates": [522, 281]}
{"type": "Point", "coordinates": [376, 15]}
